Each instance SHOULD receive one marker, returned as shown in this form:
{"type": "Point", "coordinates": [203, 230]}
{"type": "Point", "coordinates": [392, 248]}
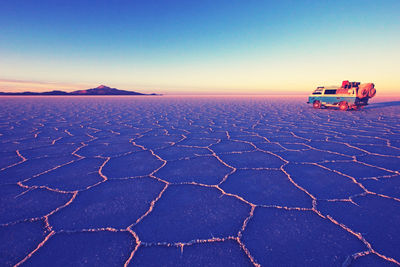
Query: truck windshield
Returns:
{"type": "Point", "coordinates": [318, 91]}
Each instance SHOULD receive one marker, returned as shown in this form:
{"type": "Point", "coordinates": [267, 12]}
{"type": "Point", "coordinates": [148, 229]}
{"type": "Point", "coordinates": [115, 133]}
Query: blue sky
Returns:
{"type": "Point", "coordinates": [198, 46]}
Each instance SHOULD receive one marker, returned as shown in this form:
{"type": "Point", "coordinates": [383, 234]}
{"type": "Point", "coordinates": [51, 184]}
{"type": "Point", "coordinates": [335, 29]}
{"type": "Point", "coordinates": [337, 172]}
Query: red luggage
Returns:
{"type": "Point", "coordinates": [344, 83]}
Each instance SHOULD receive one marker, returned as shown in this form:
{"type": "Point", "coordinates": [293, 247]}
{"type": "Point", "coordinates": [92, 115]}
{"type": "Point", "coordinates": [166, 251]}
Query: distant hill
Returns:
{"type": "Point", "coordinates": [100, 90]}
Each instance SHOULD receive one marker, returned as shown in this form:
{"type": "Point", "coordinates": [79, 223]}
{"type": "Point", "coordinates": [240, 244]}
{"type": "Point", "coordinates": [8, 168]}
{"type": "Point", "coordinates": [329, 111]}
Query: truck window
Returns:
{"type": "Point", "coordinates": [330, 92]}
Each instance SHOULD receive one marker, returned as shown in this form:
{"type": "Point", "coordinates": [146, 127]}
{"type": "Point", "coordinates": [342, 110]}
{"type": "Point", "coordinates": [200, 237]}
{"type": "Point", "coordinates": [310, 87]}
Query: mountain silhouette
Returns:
{"type": "Point", "coordinates": [100, 90]}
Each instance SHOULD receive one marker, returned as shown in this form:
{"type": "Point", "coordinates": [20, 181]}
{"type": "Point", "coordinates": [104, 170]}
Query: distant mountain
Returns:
{"type": "Point", "coordinates": [100, 90]}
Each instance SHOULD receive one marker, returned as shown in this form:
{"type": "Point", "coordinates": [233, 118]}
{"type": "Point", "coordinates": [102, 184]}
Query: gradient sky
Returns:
{"type": "Point", "coordinates": [198, 46]}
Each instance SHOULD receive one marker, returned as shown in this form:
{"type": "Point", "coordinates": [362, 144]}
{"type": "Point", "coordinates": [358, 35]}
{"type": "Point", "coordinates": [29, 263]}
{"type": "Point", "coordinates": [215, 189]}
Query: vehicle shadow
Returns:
{"type": "Point", "coordinates": [383, 104]}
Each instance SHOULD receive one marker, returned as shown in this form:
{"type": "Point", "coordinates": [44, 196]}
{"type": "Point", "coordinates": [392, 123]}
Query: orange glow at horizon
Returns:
{"type": "Point", "coordinates": [7, 85]}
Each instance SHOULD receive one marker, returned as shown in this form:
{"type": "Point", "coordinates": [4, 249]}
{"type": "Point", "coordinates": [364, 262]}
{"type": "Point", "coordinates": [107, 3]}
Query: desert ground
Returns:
{"type": "Point", "coordinates": [198, 181]}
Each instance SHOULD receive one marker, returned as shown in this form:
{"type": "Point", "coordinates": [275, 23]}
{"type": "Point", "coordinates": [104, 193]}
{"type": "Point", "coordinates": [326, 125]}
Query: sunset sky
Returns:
{"type": "Point", "coordinates": [205, 46]}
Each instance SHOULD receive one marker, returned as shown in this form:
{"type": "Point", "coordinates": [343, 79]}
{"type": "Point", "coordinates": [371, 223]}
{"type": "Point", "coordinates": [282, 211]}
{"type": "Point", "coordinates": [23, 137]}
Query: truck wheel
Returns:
{"type": "Point", "coordinates": [362, 93]}
{"type": "Point", "coordinates": [343, 106]}
{"type": "Point", "coordinates": [316, 104]}
{"type": "Point", "coordinates": [371, 92]}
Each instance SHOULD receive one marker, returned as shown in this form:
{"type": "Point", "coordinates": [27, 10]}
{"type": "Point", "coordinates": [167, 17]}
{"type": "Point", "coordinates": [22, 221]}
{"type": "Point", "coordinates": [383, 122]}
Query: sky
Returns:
{"type": "Point", "coordinates": [184, 47]}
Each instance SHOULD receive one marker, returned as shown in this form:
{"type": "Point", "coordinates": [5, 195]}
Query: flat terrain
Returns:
{"type": "Point", "coordinates": [184, 181]}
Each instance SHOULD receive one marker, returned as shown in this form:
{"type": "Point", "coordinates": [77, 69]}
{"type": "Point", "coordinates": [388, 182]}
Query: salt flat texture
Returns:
{"type": "Point", "coordinates": [184, 181]}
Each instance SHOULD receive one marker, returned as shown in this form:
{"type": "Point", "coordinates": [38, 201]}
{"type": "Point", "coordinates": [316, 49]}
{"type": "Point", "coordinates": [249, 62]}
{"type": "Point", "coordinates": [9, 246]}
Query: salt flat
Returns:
{"type": "Point", "coordinates": [206, 181]}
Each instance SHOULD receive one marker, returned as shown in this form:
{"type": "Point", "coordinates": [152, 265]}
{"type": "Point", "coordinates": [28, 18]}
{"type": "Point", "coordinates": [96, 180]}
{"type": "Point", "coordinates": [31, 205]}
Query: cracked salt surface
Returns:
{"type": "Point", "coordinates": [166, 181]}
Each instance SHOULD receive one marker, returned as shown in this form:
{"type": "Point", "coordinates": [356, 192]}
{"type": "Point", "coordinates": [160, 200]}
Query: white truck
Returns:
{"type": "Point", "coordinates": [351, 95]}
